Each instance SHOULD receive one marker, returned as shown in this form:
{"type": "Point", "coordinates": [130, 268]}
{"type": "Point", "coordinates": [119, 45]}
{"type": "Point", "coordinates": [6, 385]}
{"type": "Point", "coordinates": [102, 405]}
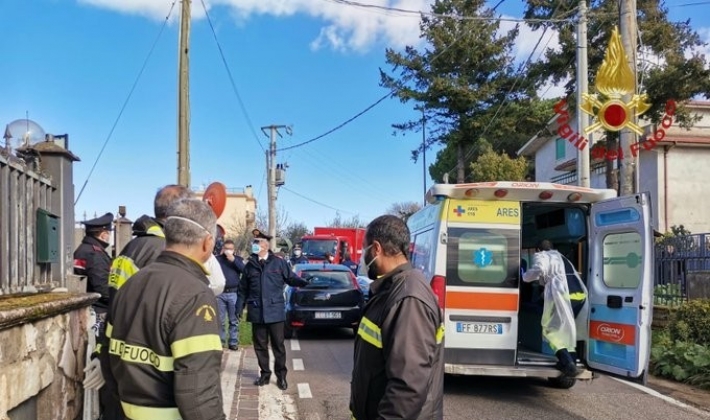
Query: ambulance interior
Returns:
{"type": "Point", "coordinates": [565, 226]}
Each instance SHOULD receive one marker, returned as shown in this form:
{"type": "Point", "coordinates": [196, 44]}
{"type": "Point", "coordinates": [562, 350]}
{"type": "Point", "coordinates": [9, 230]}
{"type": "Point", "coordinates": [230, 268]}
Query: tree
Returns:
{"type": "Point", "coordinates": [297, 230]}
{"type": "Point", "coordinates": [339, 222]}
{"type": "Point", "coordinates": [683, 72]}
{"type": "Point", "coordinates": [492, 166]}
{"type": "Point", "coordinates": [404, 209]}
{"type": "Point", "coordinates": [282, 222]}
{"type": "Point", "coordinates": [237, 230]}
{"type": "Point", "coordinates": [460, 81]}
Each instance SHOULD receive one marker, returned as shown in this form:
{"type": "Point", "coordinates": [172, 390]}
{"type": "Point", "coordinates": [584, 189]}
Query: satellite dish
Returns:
{"type": "Point", "coordinates": [24, 132]}
{"type": "Point", "coordinates": [216, 197]}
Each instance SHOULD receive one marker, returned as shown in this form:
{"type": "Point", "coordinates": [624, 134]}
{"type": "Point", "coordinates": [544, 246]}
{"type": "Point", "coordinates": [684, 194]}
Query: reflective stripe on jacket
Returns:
{"type": "Point", "coordinates": [398, 363]}
{"type": "Point", "coordinates": [164, 349]}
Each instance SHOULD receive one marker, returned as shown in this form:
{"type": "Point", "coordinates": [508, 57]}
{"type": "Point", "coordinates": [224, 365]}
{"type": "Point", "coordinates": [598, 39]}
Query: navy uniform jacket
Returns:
{"type": "Point", "coordinates": [262, 289]}
{"type": "Point", "coordinates": [92, 261]}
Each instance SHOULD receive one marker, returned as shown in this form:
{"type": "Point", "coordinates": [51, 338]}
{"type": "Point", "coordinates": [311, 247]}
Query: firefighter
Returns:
{"type": "Point", "coordinates": [398, 370]}
{"type": "Point", "coordinates": [164, 348]}
{"type": "Point", "coordinates": [92, 261]}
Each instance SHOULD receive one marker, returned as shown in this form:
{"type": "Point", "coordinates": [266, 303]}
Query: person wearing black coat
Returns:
{"type": "Point", "coordinates": [261, 289]}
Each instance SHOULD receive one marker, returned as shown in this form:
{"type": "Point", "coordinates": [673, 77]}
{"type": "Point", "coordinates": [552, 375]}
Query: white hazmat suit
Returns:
{"type": "Point", "coordinates": [558, 323]}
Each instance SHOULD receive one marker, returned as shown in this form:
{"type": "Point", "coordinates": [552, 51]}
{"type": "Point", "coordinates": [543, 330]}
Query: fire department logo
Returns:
{"type": "Point", "coordinates": [207, 312]}
{"type": "Point", "coordinates": [614, 80]}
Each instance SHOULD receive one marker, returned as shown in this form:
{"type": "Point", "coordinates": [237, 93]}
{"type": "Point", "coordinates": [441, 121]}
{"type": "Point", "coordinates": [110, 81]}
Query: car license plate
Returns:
{"type": "Point", "coordinates": [478, 328]}
{"type": "Point", "coordinates": [328, 315]}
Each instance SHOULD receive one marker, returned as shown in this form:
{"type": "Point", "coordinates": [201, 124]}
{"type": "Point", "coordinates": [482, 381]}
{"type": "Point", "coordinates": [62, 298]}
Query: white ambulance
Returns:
{"type": "Point", "coordinates": [471, 240]}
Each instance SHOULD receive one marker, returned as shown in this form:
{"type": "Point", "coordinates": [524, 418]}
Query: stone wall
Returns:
{"type": "Point", "coordinates": [42, 355]}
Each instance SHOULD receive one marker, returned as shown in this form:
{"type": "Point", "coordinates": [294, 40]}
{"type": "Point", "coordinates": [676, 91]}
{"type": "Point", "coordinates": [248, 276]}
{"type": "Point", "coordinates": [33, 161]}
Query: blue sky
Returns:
{"type": "Point", "coordinates": [313, 64]}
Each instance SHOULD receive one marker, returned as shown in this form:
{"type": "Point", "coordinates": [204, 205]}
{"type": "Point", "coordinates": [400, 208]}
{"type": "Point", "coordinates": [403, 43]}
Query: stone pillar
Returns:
{"type": "Point", "coordinates": [56, 162]}
{"type": "Point", "coordinates": [123, 232]}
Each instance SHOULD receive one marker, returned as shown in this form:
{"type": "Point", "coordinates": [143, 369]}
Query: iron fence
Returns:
{"type": "Point", "coordinates": [675, 257]}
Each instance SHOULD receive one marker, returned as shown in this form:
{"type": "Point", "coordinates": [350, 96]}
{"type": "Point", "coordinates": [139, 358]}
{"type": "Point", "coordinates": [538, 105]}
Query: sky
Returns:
{"type": "Point", "coordinates": [70, 65]}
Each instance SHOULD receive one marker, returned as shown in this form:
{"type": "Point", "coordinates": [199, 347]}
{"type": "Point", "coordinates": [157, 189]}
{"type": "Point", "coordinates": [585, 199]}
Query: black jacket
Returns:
{"type": "Point", "coordinates": [165, 352]}
{"type": "Point", "coordinates": [232, 271]}
{"type": "Point", "coordinates": [398, 369]}
{"type": "Point", "coordinates": [92, 260]}
{"type": "Point", "coordinates": [262, 289]}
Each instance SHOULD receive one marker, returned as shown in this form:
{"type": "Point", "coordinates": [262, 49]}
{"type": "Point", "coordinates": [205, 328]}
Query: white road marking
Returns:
{"type": "Point", "coordinates": [298, 364]}
{"type": "Point", "coordinates": [304, 391]}
{"type": "Point", "coordinates": [665, 398]}
{"type": "Point", "coordinates": [295, 345]}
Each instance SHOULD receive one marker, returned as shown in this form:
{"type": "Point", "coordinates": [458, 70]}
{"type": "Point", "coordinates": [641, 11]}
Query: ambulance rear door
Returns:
{"type": "Point", "coordinates": [621, 286]}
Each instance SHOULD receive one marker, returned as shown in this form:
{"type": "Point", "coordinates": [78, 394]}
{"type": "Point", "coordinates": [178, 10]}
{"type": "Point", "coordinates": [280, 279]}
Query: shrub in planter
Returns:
{"type": "Point", "coordinates": [691, 322]}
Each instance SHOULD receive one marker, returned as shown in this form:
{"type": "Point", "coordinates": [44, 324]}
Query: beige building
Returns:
{"type": "Point", "coordinates": [240, 212]}
{"type": "Point", "coordinates": [674, 170]}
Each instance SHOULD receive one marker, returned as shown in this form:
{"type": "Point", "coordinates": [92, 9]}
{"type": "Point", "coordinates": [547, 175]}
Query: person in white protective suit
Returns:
{"type": "Point", "coordinates": [558, 316]}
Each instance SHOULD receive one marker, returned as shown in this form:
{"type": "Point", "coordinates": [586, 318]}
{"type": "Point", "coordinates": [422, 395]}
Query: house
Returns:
{"type": "Point", "coordinates": [674, 169]}
{"type": "Point", "coordinates": [239, 213]}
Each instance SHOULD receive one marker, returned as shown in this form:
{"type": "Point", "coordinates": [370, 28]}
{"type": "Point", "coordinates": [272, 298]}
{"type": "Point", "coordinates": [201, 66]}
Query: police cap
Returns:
{"type": "Point", "coordinates": [260, 235]}
{"type": "Point", "coordinates": [104, 222]}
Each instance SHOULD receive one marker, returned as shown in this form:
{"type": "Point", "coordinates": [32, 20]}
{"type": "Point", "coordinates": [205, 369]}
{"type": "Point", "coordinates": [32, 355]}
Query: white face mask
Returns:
{"type": "Point", "coordinates": [229, 252]}
{"type": "Point", "coordinates": [297, 252]}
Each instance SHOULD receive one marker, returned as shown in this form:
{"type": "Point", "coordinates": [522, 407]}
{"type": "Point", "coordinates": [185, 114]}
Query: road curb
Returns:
{"type": "Point", "coordinates": [688, 394]}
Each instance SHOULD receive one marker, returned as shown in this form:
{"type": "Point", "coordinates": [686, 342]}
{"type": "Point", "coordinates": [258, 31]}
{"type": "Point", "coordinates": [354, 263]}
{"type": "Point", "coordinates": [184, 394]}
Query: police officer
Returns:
{"type": "Point", "coordinates": [262, 290]}
{"type": "Point", "coordinates": [298, 257]}
{"type": "Point", "coordinates": [92, 261]}
{"type": "Point", "coordinates": [349, 263]}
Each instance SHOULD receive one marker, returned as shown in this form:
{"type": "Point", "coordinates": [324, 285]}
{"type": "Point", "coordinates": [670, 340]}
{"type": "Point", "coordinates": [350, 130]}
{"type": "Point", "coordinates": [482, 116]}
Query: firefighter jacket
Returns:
{"type": "Point", "coordinates": [398, 368]}
{"type": "Point", "coordinates": [92, 261]}
{"type": "Point", "coordinates": [164, 351]}
{"type": "Point", "coordinates": [144, 248]}
{"type": "Point", "coordinates": [262, 289]}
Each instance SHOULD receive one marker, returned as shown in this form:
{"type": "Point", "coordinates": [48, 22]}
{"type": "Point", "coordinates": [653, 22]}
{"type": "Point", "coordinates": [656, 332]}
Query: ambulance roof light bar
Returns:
{"type": "Point", "coordinates": [518, 191]}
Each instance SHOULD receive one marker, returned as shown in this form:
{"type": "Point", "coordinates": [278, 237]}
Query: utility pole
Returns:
{"type": "Point", "coordinates": [271, 176]}
{"type": "Point", "coordinates": [184, 97]}
{"type": "Point", "coordinates": [627, 27]}
{"type": "Point", "coordinates": [424, 154]}
{"type": "Point", "coordinates": [582, 86]}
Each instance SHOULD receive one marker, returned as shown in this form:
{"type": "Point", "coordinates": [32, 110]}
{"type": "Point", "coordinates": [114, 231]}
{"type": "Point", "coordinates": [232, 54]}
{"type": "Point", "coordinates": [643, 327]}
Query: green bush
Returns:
{"type": "Point", "coordinates": [680, 360]}
{"type": "Point", "coordinates": [691, 322]}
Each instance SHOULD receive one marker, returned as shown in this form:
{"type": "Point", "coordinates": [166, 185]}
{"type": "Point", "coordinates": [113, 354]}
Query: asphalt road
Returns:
{"type": "Point", "coordinates": [320, 365]}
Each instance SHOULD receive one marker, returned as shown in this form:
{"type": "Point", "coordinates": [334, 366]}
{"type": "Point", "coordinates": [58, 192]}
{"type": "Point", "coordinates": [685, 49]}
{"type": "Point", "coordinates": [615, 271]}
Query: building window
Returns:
{"type": "Point", "coordinates": [560, 149]}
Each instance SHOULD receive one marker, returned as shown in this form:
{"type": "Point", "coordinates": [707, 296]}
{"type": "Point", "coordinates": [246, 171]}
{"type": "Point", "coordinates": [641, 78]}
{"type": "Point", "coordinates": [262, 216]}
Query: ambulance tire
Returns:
{"type": "Point", "coordinates": [562, 382]}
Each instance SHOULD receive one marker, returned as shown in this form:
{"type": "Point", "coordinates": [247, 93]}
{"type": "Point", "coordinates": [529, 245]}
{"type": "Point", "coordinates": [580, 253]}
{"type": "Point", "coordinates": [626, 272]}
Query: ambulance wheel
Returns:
{"type": "Point", "coordinates": [562, 382]}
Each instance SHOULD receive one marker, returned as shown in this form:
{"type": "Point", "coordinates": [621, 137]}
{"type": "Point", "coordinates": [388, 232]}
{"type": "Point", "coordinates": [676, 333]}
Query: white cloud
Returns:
{"type": "Point", "coordinates": [345, 28]}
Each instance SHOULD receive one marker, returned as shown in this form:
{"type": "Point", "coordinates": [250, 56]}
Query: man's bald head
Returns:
{"type": "Point", "coordinates": [166, 196]}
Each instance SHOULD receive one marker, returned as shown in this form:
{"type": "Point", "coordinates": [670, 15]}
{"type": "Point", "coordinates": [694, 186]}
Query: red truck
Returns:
{"type": "Point", "coordinates": [337, 241]}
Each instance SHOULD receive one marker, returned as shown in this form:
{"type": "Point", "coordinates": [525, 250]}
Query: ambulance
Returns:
{"type": "Point", "coordinates": [471, 240]}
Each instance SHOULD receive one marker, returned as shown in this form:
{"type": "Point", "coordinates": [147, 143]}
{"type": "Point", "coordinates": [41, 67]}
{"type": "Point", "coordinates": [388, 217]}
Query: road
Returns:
{"type": "Point", "coordinates": [320, 365]}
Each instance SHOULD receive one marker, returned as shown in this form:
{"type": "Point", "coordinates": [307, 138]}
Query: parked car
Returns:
{"type": "Point", "coordinates": [332, 299]}
{"type": "Point", "coordinates": [364, 283]}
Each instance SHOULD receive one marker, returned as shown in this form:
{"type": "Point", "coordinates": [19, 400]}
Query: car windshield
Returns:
{"type": "Point", "coordinates": [318, 247]}
{"type": "Point", "coordinates": [327, 279]}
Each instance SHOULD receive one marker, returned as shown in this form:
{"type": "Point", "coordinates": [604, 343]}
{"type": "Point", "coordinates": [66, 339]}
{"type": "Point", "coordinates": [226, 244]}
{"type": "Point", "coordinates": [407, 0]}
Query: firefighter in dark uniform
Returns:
{"type": "Point", "coordinates": [398, 370]}
{"type": "Point", "coordinates": [262, 290]}
{"type": "Point", "coordinates": [92, 261]}
{"type": "Point", "coordinates": [164, 349]}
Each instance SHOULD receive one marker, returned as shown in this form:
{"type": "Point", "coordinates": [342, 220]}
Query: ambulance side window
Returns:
{"type": "Point", "coordinates": [421, 252]}
{"type": "Point", "coordinates": [483, 257]}
{"type": "Point", "coordinates": [621, 253]}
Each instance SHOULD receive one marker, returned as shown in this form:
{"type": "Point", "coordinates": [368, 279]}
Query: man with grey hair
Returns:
{"type": "Point", "coordinates": [165, 351]}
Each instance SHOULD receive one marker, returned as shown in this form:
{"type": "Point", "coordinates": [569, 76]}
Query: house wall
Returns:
{"type": "Point", "coordinates": [239, 212]}
{"type": "Point", "coordinates": [688, 202]}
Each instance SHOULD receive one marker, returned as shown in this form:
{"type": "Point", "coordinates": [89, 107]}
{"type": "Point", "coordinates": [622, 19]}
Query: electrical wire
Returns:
{"type": "Point", "coordinates": [440, 15]}
{"type": "Point", "coordinates": [231, 79]}
{"type": "Point", "coordinates": [128, 98]}
{"type": "Point", "coordinates": [388, 94]}
{"type": "Point", "coordinates": [317, 202]}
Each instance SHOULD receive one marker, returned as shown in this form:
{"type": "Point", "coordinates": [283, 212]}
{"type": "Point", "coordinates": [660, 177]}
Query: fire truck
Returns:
{"type": "Point", "coordinates": [336, 241]}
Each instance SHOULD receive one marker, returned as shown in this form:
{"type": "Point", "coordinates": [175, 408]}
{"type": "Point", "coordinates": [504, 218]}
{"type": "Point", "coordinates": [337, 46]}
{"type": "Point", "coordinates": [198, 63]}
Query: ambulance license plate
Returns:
{"type": "Point", "coordinates": [478, 328]}
{"type": "Point", "coordinates": [328, 315]}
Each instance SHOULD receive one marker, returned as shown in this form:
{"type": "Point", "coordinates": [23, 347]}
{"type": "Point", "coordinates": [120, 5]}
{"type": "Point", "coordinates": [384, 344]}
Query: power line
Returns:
{"type": "Point", "coordinates": [699, 3]}
{"type": "Point", "coordinates": [231, 79]}
{"type": "Point", "coordinates": [317, 202]}
{"type": "Point", "coordinates": [125, 103]}
{"type": "Point", "coordinates": [440, 15]}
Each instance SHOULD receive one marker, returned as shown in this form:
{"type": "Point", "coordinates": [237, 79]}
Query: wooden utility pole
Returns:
{"type": "Point", "coordinates": [184, 97]}
{"type": "Point", "coordinates": [583, 169]}
{"type": "Point", "coordinates": [627, 137]}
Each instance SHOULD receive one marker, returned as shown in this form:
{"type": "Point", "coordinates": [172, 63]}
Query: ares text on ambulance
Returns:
{"type": "Point", "coordinates": [471, 239]}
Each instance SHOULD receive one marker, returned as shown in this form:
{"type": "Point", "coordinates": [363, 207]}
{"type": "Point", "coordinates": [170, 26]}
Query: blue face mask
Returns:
{"type": "Point", "coordinates": [255, 248]}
